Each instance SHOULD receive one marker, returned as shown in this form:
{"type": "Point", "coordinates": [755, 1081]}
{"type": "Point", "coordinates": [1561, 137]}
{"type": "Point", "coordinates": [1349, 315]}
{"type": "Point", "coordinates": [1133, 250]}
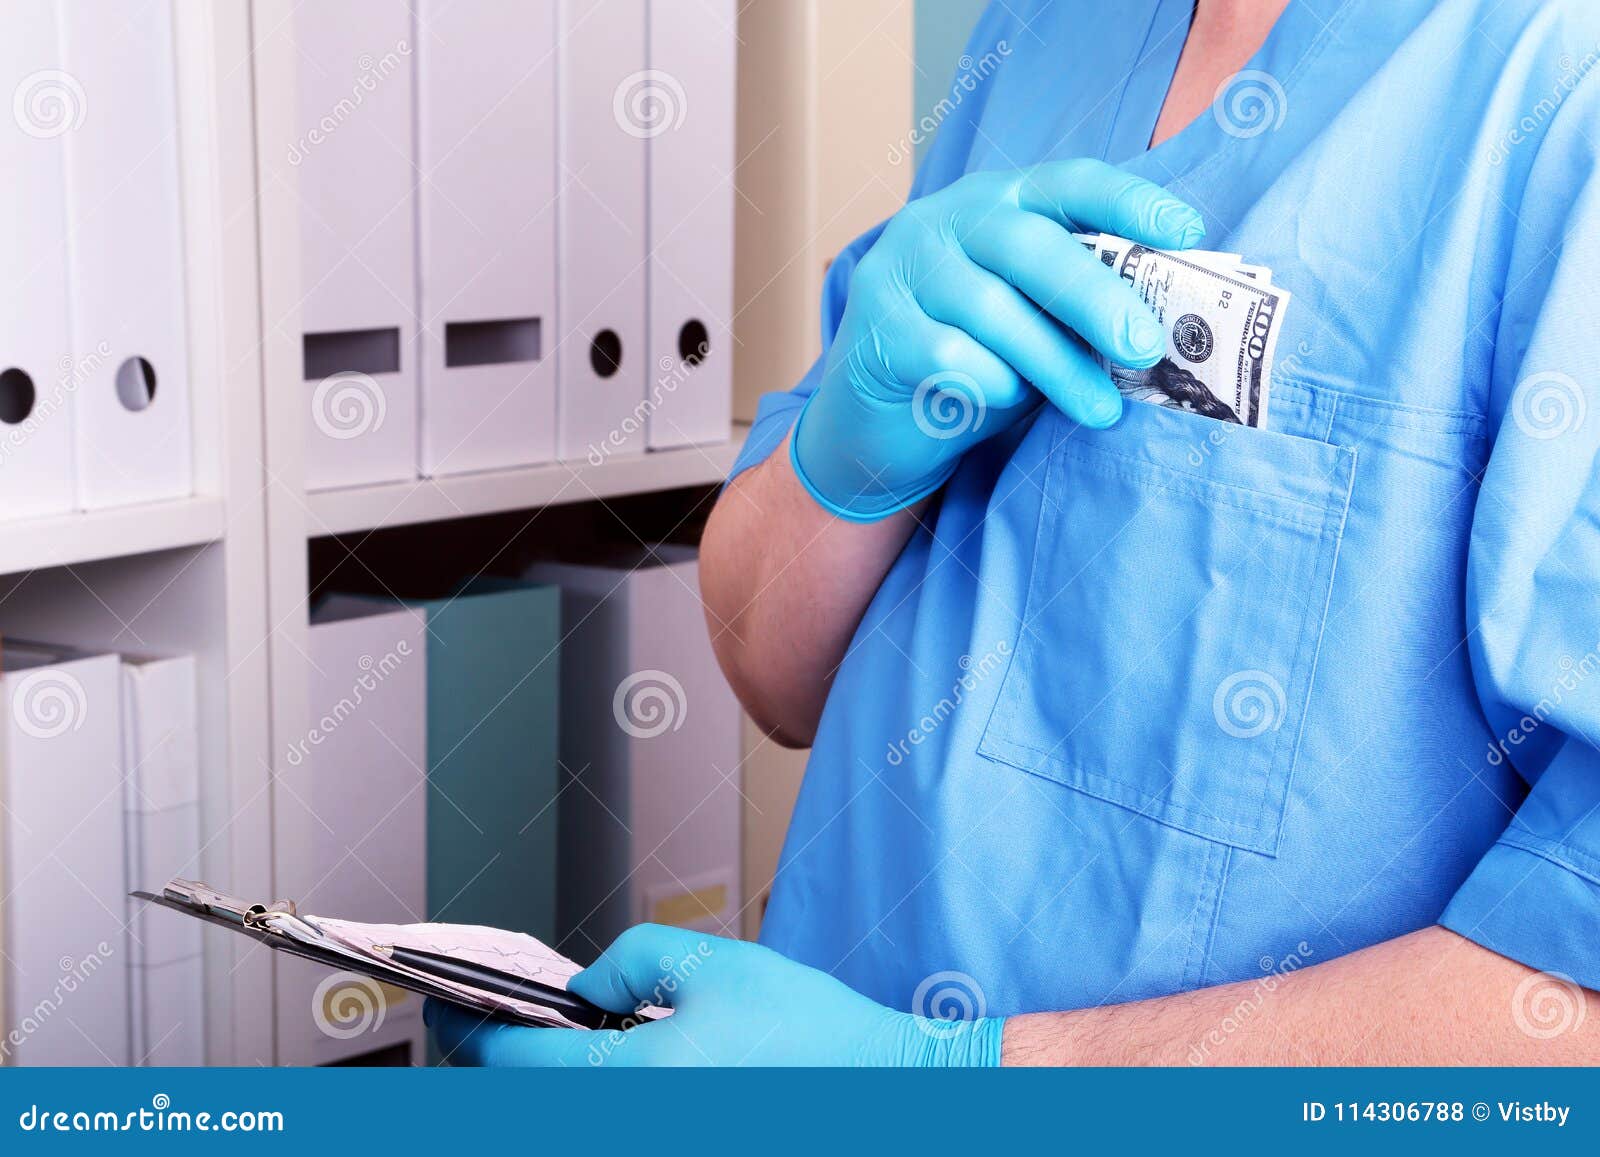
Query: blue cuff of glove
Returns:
{"type": "Point", "coordinates": [864, 506]}
{"type": "Point", "coordinates": [954, 1044]}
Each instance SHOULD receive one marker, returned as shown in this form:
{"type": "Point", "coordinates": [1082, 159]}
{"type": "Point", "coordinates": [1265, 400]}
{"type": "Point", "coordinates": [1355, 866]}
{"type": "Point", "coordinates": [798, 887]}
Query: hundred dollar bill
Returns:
{"type": "Point", "coordinates": [1222, 318]}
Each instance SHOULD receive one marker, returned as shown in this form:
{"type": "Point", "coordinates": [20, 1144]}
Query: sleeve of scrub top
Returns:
{"type": "Point", "coordinates": [778, 410]}
{"type": "Point", "coordinates": [945, 162]}
{"type": "Point", "coordinates": [1533, 581]}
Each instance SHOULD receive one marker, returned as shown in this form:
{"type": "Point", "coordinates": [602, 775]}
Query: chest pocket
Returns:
{"type": "Point", "coordinates": [1180, 581]}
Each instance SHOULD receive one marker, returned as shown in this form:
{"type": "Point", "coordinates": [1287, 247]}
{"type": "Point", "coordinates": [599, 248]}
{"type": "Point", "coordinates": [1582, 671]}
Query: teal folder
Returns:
{"type": "Point", "coordinates": [493, 685]}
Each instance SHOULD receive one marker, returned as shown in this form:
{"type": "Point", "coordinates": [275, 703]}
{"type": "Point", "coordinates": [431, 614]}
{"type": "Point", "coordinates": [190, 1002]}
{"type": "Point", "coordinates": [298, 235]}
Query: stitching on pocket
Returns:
{"type": "Point", "coordinates": [1327, 557]}
{"type": "Point", "coordinates": [1217, 885]}
{"type": "Point", "coordinates": [1203, 824]}
{"type": "Point", "coordinates": [1384, 414]}
{"type": "Point", "coordinates": [1199, 487]}
{"type": "Point", "coordinates": [1210, 492]}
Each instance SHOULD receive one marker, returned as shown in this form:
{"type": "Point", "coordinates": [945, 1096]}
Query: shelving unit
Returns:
{"type": "Point", "coordinates": [187, 576]}
{"type": "Point", "coordinates": [294, 517]}
{"type": "Point", "coordinates": [223, 574]}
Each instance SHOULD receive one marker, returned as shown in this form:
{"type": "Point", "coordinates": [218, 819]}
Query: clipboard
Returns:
{"type": "Point", "coordinates": [280, 927]}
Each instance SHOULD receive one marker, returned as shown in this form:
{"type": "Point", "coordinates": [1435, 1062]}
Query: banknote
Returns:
{"type": "Point", "coordinates": [1222, 317]}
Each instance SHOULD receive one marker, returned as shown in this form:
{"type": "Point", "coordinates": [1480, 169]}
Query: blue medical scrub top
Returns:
{"type": "Point", "coordinates": [1180, 702]}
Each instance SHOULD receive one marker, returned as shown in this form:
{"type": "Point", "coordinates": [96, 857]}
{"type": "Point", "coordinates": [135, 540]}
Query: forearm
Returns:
{"type": "Point", "coordinates": [1430, 998]}
{"type": "Point", "coordinates": [785, 584]}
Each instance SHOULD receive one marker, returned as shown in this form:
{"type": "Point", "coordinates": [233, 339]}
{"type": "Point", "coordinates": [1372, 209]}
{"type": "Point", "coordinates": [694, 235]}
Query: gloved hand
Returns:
{"type": "Point", "coordinates": [735, 1004]}
{"type": "Point", "coordinates": [958, 320]}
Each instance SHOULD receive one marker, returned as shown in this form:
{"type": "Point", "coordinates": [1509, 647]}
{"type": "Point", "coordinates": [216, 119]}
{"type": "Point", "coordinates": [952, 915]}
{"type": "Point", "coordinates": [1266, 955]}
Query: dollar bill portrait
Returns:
{"type": "Point", "coordinates": [1168, 384]}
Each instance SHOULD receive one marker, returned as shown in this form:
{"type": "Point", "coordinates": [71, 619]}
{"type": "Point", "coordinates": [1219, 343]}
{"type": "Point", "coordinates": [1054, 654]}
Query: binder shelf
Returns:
{"type": "Point", "coordinates": [552, 484]}
{"type": "Point", "coordinates": [70, 539]}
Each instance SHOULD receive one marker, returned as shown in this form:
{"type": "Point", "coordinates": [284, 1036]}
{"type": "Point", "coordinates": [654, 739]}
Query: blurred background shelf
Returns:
{"type": "Point", "coordinates": [88, 536]}
{"type": "Point", "coordinates": [231, 576]}
{"type": "Point", "coordinates": [363, 508]}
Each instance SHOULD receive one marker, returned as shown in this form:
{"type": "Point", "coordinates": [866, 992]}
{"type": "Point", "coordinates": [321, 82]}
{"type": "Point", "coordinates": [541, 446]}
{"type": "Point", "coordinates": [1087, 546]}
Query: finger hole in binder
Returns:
{"type": "Point", "coordinates": [605, 353]}
{"type": "Point", "coordinates": [492, 343]}
{"type": "Point", "coordinates": [136, 384]}
{"type": "Point", "coordinates": [694, 342]}
{"type": "Point", "coordinates": [17, 396]}
{"type": "Point", "coordinates": [354, 351]}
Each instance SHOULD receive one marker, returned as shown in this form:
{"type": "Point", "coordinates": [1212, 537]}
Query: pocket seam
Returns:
{"type": "Point", "coordinates": [1385, 413]}
{"type": "Point", "coordinates": [1120, 793]}
{"type": "Point", "coordinates": [1328, 547]}
{"type": "Point", "coordinates": [1219, 491]}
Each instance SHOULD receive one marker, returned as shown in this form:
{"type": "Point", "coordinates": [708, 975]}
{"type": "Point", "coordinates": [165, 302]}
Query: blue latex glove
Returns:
{"type": "Point", "coordinates": [973, 303]}
{"type": "Point", "coordinates": [735, 1004]}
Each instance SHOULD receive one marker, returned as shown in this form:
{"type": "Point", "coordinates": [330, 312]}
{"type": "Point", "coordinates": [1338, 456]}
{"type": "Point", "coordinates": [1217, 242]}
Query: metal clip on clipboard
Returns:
{"type": "Point", "coordinates": [279, 926]}
{"type": "Point", "coordinates": [265, 917]}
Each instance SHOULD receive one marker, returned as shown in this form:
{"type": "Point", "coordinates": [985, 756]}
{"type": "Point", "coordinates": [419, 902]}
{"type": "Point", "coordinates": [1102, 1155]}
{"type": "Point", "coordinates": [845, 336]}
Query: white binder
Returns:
{"type": "Point", "coordinates": [650, 729]}
{"type": "Point", "coordinates": [352, 823]}
{"type": "Point", "coordinates": [486, 125]}
{"type": "Point", "coordinates": [161, 786]}
{"type": "Point", "coordinates": [603, 366]}
{"type": "Point", "coordinates": [693, 47]}
{"type": "Point", "coordinates": [125, 231]}
{"type": "Point", "coordinates": [35, 344]}
{"type": "Point", "coordinates": [61, 926]}
{"type": "Point", "coordinates": [354, 161]}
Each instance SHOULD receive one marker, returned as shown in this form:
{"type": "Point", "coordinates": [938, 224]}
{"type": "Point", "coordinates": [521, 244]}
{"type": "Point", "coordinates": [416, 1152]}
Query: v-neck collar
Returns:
{"type": "Point", "coordinates": [1261, 89]}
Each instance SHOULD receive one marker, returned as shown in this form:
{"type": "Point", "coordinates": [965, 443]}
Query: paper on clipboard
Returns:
{"type": "Point", "coordinates": [511, 952]}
